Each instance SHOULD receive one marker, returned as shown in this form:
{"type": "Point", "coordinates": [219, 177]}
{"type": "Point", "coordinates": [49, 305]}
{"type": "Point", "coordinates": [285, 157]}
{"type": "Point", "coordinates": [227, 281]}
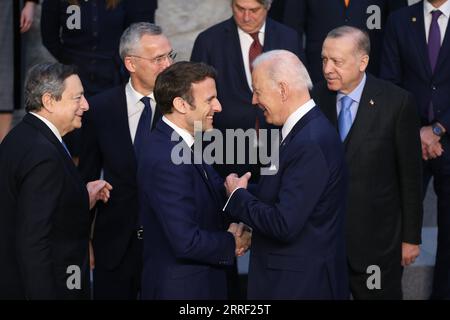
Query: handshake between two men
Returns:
{"type": "Point", "coordinates": [242, 233]}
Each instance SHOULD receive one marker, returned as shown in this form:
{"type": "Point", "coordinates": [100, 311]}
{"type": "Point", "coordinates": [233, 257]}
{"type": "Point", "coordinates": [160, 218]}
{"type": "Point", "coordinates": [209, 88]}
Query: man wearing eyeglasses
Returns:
{"type": "Point", "coordinates": [114, 130]}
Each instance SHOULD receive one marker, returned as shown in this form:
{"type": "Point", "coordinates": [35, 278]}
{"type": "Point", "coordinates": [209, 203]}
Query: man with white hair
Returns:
{"type": "Point", "coordinates": [297, 214]}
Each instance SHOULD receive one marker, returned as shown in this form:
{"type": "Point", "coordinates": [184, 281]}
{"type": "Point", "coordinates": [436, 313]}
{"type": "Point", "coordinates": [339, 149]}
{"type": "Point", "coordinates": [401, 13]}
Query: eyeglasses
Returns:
{"type": "Point", "coordinates": [160, 59]}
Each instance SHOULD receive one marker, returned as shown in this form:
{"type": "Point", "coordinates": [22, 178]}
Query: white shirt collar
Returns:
{"type": "Point", "coordinates": [50, 125]}
{"type": "Point", "coordinates": [187, 137]}
{"type": "Point", "coordinates": [444, 8]}
{"type": "Point", "coordinates": [296, 116]}
{"type": "Point", "coordinates": [136, 99]}
{"type": "Point", "coordinates": [260, 35]}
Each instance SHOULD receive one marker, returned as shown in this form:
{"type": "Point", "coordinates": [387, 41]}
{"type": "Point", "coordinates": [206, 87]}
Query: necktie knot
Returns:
{"type": "Point", "coordinates": [435, 14]}
{"type": "Point", "coordinates": [146, 102]}
{"type": "Point", "coordinates": [254, 36]}
{"type": "Point", "coordinates": [346, 102]}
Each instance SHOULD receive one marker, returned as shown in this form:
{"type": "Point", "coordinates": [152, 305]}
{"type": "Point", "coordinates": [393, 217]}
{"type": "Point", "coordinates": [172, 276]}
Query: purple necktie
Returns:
{"type": "Point", "coordinates": [434, 39]}
{"type": "Point", "coordinates": [434, 45]}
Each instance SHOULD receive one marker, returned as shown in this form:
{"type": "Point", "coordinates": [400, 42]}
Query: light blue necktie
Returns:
{"type": "Point", "coordinates": [345, 117]}
{"type": "Point", "coordinates": [65, 147]}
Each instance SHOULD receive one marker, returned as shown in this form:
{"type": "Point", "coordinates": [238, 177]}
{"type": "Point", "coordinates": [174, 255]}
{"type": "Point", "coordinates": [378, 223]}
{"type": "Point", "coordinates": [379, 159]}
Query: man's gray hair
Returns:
{"type": "Point", "coordinates": [46, 78]}
{"type": "Point", "coordinates": [361, 37]}
{"type": "Point", "coordinates": [265, 3]}
{"type": "Point", "coordinates": [131, 37]}
{"type": "Point", "coordinates": [285, 66]}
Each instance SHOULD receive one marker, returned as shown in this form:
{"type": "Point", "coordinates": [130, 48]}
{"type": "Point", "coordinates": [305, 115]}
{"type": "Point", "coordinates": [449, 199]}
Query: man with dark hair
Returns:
{"type": "Point", "coordinates": [378, 125]}
{"type": "Point", "coordinates": [186, 246]}
{"type": "Point", "coordinates": [44, 220]}
{"type": "Point", "coordinates": [112, 135]}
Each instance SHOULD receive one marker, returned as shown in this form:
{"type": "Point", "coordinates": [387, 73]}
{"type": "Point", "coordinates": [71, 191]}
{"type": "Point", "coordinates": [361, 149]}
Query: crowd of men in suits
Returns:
{"type": "Point", "coordinates": [355, 156]}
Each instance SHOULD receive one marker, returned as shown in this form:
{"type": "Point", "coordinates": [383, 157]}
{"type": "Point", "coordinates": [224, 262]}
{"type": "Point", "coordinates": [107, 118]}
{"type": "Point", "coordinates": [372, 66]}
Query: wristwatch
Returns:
{"type": "Point", "coordinates": [437, 130]}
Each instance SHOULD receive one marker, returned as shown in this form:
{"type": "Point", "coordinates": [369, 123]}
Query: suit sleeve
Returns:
{"type": "Point", "coordinates": [174, 203]}
{"type": "Point", "coordinates": [38, 200]}
{"type": "Point", "coordinates": [200, 50]}
{"type": "Point", "coordinates": [303, 181]}
{"type": "Point", "coordinates": [390, 68]}
{"type": "Point", "coordinates": [410, 166]}
{"type": "Point", "coordinates": [295, 15]}
{"type": "Point", "coordinates": [50, 28]}
{"type": "Point", "coordinates": [90, 156]}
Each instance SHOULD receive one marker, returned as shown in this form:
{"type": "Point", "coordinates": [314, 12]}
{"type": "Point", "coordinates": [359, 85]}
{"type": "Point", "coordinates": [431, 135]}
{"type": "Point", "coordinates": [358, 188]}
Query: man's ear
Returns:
{"type": "Point", "coordinates": [179, 105]}
{"type": "Point", "coordinates": [364, 63]}
{"type": "Point", "coordinates": [129, 64]}
{"type": "Point", "coordinates": [47, 102]}
{"type": "Point", "coordinates": [284, 90]}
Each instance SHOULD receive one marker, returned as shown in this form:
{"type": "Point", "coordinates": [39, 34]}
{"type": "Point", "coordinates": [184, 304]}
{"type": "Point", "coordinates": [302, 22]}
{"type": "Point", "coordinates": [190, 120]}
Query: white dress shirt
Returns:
{"type": "Point", "coordinates": [135, 107]}
{"type": "Point", "coordinates": [442, 20]}
{"type": "Point", "coordinates": [246, 41]}
{"type": "Point", "coordinates": [50, 125]}
{"type": "Point", "coordinates": [184, 134]}
{"type": "Point", "coordinates": [295, 117]}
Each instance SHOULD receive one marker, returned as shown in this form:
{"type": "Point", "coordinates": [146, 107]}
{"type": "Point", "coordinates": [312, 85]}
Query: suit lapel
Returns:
{"type": "Point", "coordinates": [364, 118]}
{"type": "Point", "coordinates": [328, 105]}
{"type": "Point", "coordinates": [444, 52]}
{"type": "Point", "coordinates": [417, 24]}
{"type": "Point", "coordinates": [45, 130]}
{"type": "Point", "coordinates": [167, 131]}
{"type": "Point", "coordinates": [234, 52]}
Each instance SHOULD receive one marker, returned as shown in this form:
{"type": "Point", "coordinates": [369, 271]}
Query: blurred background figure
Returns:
{"type": "Point", "coordinates": [86, 34]}
{"type": "Point", "coordinates": [10, 55]}
{"type": "Point", "coordinates": [314, 19]}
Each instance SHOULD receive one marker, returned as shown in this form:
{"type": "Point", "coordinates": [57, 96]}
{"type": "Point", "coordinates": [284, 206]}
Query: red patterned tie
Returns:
{"type": "Point", "coordinates": [255, 50]}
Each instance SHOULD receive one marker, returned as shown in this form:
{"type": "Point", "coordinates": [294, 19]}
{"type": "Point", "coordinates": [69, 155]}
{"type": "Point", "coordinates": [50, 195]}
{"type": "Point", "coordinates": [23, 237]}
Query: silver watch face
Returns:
{"type": "Point", "coordinates": [437, 130]}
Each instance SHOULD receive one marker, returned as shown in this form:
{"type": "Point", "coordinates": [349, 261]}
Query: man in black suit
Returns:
{"type": "Point", "coordinates": [117, 122]}
{"type": "Point", "coordinates": [314, 19]}
{"type": "Point", "coordinates": [44, 220]}
{"type": "Point", "coordinates": [378, 124]}
{"type": "Point", "coordinates": [230, 47]}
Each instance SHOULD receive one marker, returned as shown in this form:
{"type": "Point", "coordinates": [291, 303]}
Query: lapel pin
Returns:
{"type": "Point", "coordinates": [413, 19]}
{"type": "Point", "coordinates": [371, 102]}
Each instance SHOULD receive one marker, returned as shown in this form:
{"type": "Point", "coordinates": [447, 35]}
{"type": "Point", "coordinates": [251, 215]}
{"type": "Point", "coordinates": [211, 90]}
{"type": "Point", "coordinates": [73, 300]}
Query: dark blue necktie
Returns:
{"type": "Point", "coordinates": [345, 117]}
{"type": "Point", "coordinates": [144, 125]}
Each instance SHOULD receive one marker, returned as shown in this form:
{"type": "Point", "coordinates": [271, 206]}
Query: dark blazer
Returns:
{"type": "Point", "coordinates": [107, 145]}
{"type": "Point", "coordinates": [219, 46]}
{"type": "Point", "coordinates": [44, 220]}
{"type": "Point", "coordinates": [314, 19]}
{"type": "Point", "coordinates": [405, 62]}
{"type": "Point", "coordinates": [94, 48]}
{"type": "Point", "coordinates": [186, 248]}
{"type": "Point", "coordinates": [383, 154]}
{"type": "Point", "coordinates": [297, 216]}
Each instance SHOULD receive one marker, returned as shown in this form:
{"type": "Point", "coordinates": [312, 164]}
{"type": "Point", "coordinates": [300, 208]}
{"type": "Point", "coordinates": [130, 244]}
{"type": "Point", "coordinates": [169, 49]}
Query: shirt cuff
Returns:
{"type": "Point", "coordinates": [230, 197]}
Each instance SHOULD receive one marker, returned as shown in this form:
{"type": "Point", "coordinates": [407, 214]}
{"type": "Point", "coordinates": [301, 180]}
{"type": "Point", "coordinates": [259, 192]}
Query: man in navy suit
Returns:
{"type": "Point", "coordinates": [378, 125]}
{"type": "Point", "coordinates": [314, 19]}
{"type": "Point", "coordinates": [186, 246]}
{"type": "Point", "coordinates": [44, 216]}
{"type": "Point", "coordinates": [417, 57]}
{"type": "Point", "coordinates": [117, 121]}
{"type": "Point", "coordinates": [297, 214]}
{"type": "Point", "coordinates": [229, 47]}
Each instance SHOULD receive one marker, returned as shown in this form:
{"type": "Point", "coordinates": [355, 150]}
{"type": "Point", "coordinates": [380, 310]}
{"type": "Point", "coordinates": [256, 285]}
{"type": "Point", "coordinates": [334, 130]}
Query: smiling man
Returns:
{"type": "Point", "coordinates": [187, 248]}
{"type": "Point", "coordinates": [379, 127]}
{"type": "Point", "coordinates": [297, 215]}
{"type": "Point", "coordinates": [230, 47]}
{"type": "Point", "coordinates": [113, 134]}
{"type": "Point", "coordinates": [44, 216]}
